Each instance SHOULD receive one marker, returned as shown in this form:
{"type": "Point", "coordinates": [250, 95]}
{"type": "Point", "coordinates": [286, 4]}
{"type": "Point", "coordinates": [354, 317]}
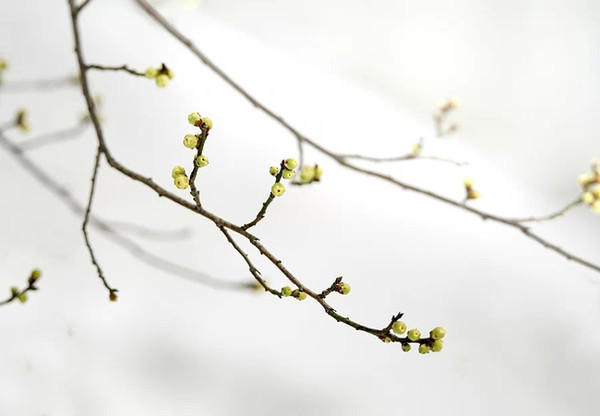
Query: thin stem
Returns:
{"type": "Point", "coordinates": [551, 216]}
{"type": "Point", "coordinates": [263, 211]}
{"type": "Point", "coordinates": [253, 270]}
{"type": "Point", "coordinates": [408, 156]}
{"type": "Point", "coordinates": [344, 162]}
{"type": "Point", "coordinates": [193, 188]}
{"type": "Point", "coordinates": [86, 220]}
{"type": "Point", "coordinates": [115, 68]}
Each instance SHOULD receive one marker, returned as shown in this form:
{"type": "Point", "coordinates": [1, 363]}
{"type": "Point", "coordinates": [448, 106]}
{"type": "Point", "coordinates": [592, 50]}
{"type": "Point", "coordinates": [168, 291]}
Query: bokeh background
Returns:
{"type": "Point", "coordinates": [523, 329]}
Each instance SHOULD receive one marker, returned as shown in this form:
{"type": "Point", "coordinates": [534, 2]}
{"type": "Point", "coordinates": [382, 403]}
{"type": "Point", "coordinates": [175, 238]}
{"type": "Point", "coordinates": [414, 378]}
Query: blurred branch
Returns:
{"type": "Point", "coordinates": [39, 85]}
{"type": "Point", "coordinates": [58, 136]}
{"type": "Point", "coordinates": [342, 160]}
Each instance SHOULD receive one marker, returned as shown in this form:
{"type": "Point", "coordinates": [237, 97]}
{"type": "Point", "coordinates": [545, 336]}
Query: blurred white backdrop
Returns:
{"type": "Point", "coordinates": [523, 334]}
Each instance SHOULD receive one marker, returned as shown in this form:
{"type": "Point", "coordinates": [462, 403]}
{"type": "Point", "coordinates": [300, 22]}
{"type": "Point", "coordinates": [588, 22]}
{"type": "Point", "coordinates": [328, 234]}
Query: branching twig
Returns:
{"type": "Point", "coordinates": [115, 68]}
{"type": "Point", "coordinates": [552, 216]}
{"type": "Point", "coordinates": [344, 162]}
{"type": "Point", "coordinates": [21, 294]}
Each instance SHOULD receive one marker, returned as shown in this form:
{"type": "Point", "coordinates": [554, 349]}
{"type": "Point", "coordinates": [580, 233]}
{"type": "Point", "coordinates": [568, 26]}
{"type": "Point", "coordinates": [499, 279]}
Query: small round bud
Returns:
{"type": "Point", "coordinates": [596, 191]}
{"type": "Point", "coordinates": [14, 291]}
{"type": "Point", "coordinates": [36, 274]}
{"type": "Point", "coordinates": [473, 194]}
{"type": "Point", "coordinates": [307, 174]}
{"type": "Point", "coordinates": [343, 288]}
{"type": "Point", "coordinates": [291, 164]}
{"type": "Point", "coordinates": [596, 206]}
{"type": "Point", "coordinates": [414, 334]}
{"type": "Point", "coordinates": [208, 121]}
{"type": "Point", "coordinates": [587, 198]}
{"type": "Point", "coordinates": [201, 161]}
{"type": "Point", "coordinates": [423, 349]}
{"type": "Point", "coordinates": [177, 171]}
{"type": "Point", "coordinates": [190, 141]}
{"type": "Point", "coordinates": [22, 297]}
{"type": "Point", "coordinates": [399, 327]}
{"type": "Point", "coordinates": [301, 295]}
{"type": "Point", "coordinates": [437, 345]}
{"type": "Point", "coordinates": [170, 74]}
{"type": "Point", "coordinates": [113, 296]}
{"type": "Point", "coordinates": [277, 189]}
{"type": "Point", "coordinates": [193, 118]}
{"type": "Point", "coordinates": [151, 73]}
{"type": "Point", "coordinates": [162, 80]}
{"type": "Point", "coordinates": [286, 291]}
{"type": "Point", "coordinates": [274, 170]}
{"type": "Point", "coordinates": [318, 173]}
{"type": "Point", "coordinates": [288, 174]}
{"type": "Point", "coordinates": [585, 179]}
{"type": "Point", "coordinates": [406, 347]}
{"type": "Point", "coordinates": [468, 183]}
{"type": "Point", "coordinates": [181, 182]}
{"type": "Point", "coordinates": [387, 340]}
{"type": "Point", "coordinates": [437, 333]}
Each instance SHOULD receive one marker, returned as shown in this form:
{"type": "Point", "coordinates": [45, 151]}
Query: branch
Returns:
{"type": "Point", "coordinates": [550, 216]}
{"type": "Point", "coordinates": [21, 295]}
{"type": "Point", "coordinates": [124, 68]}
{"type": "Point", "coordinates": [144, 5]}
{"type": "Point", "coordinates": [54, 137]}
{"type": "Point", "coordinates": [222, 224]}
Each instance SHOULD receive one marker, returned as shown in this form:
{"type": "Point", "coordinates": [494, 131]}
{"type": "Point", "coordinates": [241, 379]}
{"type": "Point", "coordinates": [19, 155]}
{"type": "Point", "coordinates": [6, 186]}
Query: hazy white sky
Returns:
{"type": "Point", "coordinates": [523, 334]}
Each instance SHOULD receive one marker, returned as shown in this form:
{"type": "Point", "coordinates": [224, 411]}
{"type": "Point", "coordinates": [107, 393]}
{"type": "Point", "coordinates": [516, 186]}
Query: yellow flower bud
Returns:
{"type": "Point", "coordinates": [162, 80]}
{"type": "Point", "coordinates": [468, 182]}
{"type": "Point", "coordinates": [288, 174]}
{"type": "Point", "coordinates": [399, 327]}
{"type": "Point", "coordinates": [201, 161]}
{"type": "Point", "coordinates": [193, 118]}
{"type": "Point", "coordinates": [170, 74]}
{"type": "Point", "coordinates": [318, 173]}
{"type": "Point", "coordinates": [437, 333]}
{"type": "Point", "coordinates": [307, 174]}
{"type": "Point", "coordinates": [273, 170]}
{"type": "Point", "coordinates": [177, 170]}
{"type": "Point", "coordinates": [596, 206]}
{"type": "Point", "coordinates": [423, 348]}
{"type": "Point", "coordinates": [291, 164]}
{"type": "Point", "coordinates": [437, 345]}
{"type": "Point", "coordinates": [588, 198]}
{"type": "Point", "coordinates": [181, 182]}
{"type": "Point", "coordinates": [286, 291]}
{"type": "Point", "coordinates": [302, 295]}
{"type": "Point", "coordinates": [190, 141]}
{"type": "Point", "coordinates": [151, 73]}
{"type": "Point", "coordinates": [585, 179]}
{"type": "Point", "coordinates": [208, 121]}
{"type": "Point", "coordinates": [277, 189]}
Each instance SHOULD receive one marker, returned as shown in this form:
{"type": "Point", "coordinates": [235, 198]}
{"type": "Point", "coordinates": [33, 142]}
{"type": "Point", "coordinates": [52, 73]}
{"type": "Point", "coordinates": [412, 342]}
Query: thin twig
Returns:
{"type": "Point", "coordinates": [339, 159]}
{"type": "Point", "coordinates": [115, 68]}
{"type": "Point", "coordinates": [551, 216]}
{"type": "Point", "coordinates": [59, 136]}
{"type": "Point", "coordinates": [408, 156]}
{"type": "Point", "coordinates": [82, 5]}
{"type": "Point", "coordinates": [86, 220]}
{"type": "Point", "coordinates": [263, 210]}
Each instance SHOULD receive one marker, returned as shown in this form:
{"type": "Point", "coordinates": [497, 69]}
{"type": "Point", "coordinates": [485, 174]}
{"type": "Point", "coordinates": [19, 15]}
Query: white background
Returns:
{"type": "Point", "coordinates": [357, 76]}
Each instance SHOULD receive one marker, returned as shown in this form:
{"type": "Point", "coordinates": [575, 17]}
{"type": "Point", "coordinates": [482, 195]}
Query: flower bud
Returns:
{"type": "Point", "coordinates": [162, 80]}
{"type": "Point", "coordinates": [181, 182]}
{"type": "Point", "coordinates": [343, 288]}
{"type": "Point", "coordinates": [177, 170]}
{"type": "Point", "coordinates": [399, 327]}
{"type": "Point", "coordinates": [277, 189]}
{"type": "Point", "coordinates": [414, 334]}
{"type": "Point", "coordinates": [437, 333]}
{"type": "Point", "coordinates": [151, 73]}
{"type": "Point", "coordinates": [437, 345]}
{"type": "Point", "coordinates": [288, 174]}
{"type": "Point", "coordinates": [423, 348]}
{"type": "Point", "coordinates": [208, 121]}
{"type": "Point", "coordinates": [190, 141]}
{"type": "Point", "coordinates": [286, 291]}
{"type": "Point", "coordinates": [291, 164]}
{"type": "Point", "coordinates": [201, 161]}
{"type": "Point", "coordinates": [274, 170]}
{"type": "Point", "coordinates": [193, 118]}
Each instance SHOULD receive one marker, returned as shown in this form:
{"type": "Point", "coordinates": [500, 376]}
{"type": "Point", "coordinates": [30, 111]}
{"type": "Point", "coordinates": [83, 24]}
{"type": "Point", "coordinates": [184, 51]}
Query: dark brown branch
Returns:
{"type": "Point", "coordinates": [124, 68]}
{"type": "Point", "coordinates": [261, 214]}
{"type": "Point", "coordinates": [337, 157]}
{"type": "Point", "coordinates": [112, 291]}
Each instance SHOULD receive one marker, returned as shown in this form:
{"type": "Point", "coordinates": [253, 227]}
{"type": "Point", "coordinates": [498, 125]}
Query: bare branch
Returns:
{"type": "Point", "coordinates": [124, 68]}
{"type": "Point", "coordinates": [551, 216]}
{"type": "Point", "coordinates": [59, 136]}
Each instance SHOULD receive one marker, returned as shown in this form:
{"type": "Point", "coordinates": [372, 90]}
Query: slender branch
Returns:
{"type": "Point", "coordinates": [39, 85]}
{"type": "Point", "coordinates": [124, 68]}
{"type": "Point", "coordinates": [344, 162]}
{"type": "Point", "coordinates": [253, 270]}
{"type": "Point", "coordinates": [193, 189]}
{"type": "Point", "coordinates": [83, 4]}
{"type": "Point", "coordinates": [86, 220]}
{"type": "Point", "coordinates": [59, 136]}
{"type": "Point", "coordinates": [261, 214]}
{"type": "Point", "coordinates": [551, 216]}
{"type": "Point", "coordinates": [408, 156]}
{"type": "Point", "coordinates": [21, 295]}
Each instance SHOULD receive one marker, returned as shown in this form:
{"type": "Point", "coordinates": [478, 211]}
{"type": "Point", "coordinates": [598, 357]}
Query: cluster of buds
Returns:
{"type": "Point", "coordinates": [21, 120]}
{"type": "Point", "coordinates": [310, 174]}
{"type": "Point", "coordinates": [21, 295]}
{"type": "Point", "coordinates": [296, 293]}
{"type": "Point", "coordinates": [444, 108]}
{"type": "Point", "coordinates": [434, 343]}
{"type": "Point", "coordinates": [470, 192]}
{"type": "Point", "coordinates": [590, 185]}
{"type": "Point", "coordinates": [161, 75]}
{"type": "Point", "coordinates": [193, 141]}
{"type": "Point", "coordinates": [3, 67]}
{"type": "Point", "coordinates": [285, 171]}
{"type": "Point", "coordinates": [417, 148]}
